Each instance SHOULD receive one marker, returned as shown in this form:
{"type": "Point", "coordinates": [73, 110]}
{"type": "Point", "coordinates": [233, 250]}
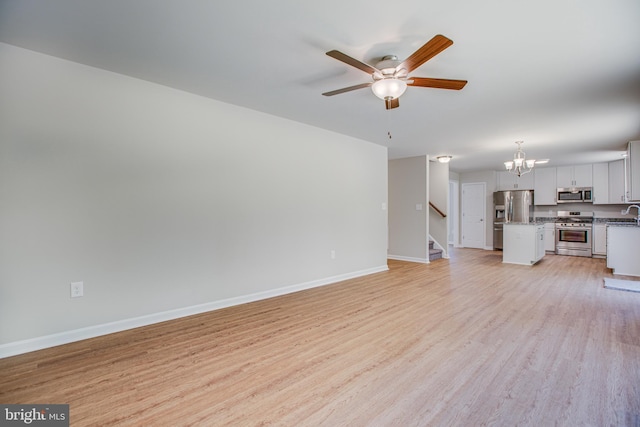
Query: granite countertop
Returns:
{"type": "Point", "coordinates": [622, 224]}
{"type": "Point", "coordinates": [613, 220]}
{"type": "Point", "coordinates": [544, 219]}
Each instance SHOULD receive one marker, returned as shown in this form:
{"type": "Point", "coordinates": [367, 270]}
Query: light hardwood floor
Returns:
{"type": "Point", "coordinates": [460, 342]}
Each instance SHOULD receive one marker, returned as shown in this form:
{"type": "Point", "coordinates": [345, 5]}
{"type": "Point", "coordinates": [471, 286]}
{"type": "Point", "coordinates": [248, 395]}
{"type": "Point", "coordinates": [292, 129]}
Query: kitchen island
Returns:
{"type": "Point", "coordinates": [623, 249]}
{"type": "Point", "coordinates": [523, 243]}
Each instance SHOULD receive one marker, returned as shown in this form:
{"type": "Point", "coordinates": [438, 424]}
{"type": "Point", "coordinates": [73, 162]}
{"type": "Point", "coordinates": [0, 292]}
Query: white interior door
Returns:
{"type": "Point", "coordinates": [473, 215]}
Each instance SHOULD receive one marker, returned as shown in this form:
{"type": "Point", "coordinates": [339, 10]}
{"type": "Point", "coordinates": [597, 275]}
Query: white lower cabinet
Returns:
{"type": "Point", "coordinates": [550, 237]}
{"type": "Point", "coordinates": [622, 250]}
{"type": "Point", "coordinates": [599, 240]}
{"type": "Point", "coordinates": [523, 243]}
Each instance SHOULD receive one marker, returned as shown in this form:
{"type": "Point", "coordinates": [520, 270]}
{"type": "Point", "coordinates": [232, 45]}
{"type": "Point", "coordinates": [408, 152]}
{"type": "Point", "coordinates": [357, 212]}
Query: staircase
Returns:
{"type": "Point", "coordinates": [434, 254]}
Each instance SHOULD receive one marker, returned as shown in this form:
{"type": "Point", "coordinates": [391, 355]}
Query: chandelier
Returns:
{"type": "Point", "coordinates": [519, 165]}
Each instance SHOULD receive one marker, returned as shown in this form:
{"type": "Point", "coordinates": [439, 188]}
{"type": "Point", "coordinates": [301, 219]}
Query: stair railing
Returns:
{"type": "Point", "coordinates": [435, 208]}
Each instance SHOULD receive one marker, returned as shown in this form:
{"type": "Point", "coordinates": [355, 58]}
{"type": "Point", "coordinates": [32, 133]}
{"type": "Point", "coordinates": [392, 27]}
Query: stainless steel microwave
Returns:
{"type": "Point", "coordinates": [575, 195]}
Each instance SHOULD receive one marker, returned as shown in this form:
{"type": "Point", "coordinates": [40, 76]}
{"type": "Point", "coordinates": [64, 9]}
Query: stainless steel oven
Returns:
{"type": "Point", "coordinates": [573, 233]}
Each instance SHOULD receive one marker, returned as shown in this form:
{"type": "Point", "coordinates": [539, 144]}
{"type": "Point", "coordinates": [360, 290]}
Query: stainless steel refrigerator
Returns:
{"type": "Point", "coordinates": [510, 206]}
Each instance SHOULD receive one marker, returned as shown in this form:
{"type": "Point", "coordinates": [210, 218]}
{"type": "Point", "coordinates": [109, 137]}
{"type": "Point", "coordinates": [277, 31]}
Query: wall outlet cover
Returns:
{"type": "Point", "coordinates": [77, 289]}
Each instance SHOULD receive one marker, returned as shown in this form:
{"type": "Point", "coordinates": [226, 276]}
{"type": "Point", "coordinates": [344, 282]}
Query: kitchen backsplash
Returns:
{"type": "Point", "coordinates": [542, 213]}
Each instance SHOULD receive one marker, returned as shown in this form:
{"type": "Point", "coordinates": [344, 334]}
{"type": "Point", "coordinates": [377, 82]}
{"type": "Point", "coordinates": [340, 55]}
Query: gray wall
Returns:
{"type": "Point", "coordinates": [408, 226]}
{"type": "Point", "coordinates": [158, 199]}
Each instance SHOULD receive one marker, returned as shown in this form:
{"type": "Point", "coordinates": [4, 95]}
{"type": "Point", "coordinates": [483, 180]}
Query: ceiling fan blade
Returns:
{"type": "Point", "coordinates": [391, 103]}
{"type": "Point", "coordinates": [352, 61]}
{"type": "Point", "coordinates": [430, 49]}
{"type": "Point", "coordinates": [347, 89]}
{"type": "Point", "coordinates": [436, 83]}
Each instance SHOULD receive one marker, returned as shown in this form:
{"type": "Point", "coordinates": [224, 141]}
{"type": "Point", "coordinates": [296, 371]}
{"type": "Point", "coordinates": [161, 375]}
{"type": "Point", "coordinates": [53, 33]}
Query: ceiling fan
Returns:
{"type": "Point", "coordinates": [391, 77]}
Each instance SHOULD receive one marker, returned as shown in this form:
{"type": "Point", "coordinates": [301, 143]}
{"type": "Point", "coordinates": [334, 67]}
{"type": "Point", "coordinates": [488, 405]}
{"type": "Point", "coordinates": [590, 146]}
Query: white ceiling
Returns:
{"type": "Point", "coordinates": [562, 75]}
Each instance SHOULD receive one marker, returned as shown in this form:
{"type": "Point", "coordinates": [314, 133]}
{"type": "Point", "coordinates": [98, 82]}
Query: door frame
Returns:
{"type": "Point", "coordinates": [454, 213]}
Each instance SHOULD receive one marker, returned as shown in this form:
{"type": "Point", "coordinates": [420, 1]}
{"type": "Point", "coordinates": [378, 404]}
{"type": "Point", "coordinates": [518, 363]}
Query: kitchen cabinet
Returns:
{"type": "Point", "coordinates": [574, 176]}
{"type": "Point", "coordinates": [600, 183]}
{"type": "Point", "coordinates": [633, 172]}
{"type": "Point", "coordinates": [622, 249]}
{"type": "Point", "coordinates": [550, 237]}
{"type": "Point", "coordinates": [608, 183]}
{"type": "Point", "coordinates": [545, 188]}
{"type": "Point", "coordinates": [616, 182]}
{"type": "Point", "coordinates": [509, 181]}
{"type": "Point", "coordinates": [599, 240]}
{"type": "Point", "coordinates": [523, 243]}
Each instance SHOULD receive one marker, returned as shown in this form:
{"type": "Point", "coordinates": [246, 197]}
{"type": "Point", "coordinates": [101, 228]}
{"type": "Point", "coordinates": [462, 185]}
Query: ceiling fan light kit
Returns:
{"type": "Point", "coordinates": [390, 76]}
{"type": "Point", "coordinates": [389, 88]}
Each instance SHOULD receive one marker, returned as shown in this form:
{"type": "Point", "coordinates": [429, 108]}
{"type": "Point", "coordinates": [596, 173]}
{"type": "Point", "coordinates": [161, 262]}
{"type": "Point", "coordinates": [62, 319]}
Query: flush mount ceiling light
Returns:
{"type": "Point", "coordinates": [444, 159]}
{"type": "Point", "coordinates": [519, 165]}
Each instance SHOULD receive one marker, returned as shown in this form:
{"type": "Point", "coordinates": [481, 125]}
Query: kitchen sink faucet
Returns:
{"type": "Point", "coordinates": [638, 217]}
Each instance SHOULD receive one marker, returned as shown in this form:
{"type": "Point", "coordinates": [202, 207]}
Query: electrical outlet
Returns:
{"type": "Point", "coordinates": [77, 289]}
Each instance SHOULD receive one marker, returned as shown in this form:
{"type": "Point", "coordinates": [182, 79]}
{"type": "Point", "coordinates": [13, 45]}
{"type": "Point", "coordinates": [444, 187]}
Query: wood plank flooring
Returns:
{"type": "Point", "coordinates": [459, 342]}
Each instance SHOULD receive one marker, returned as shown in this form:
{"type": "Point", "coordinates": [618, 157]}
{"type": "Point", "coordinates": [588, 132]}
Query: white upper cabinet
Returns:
{"type": "Point", "coordinates": [608, 183]}
{"type": "Point", "coordinates": [583, 175]}
{"type": "Point", "coordinates": [633, 172]}
{"type": "Point", "coordinates": [616, 182]}
{"type": "Point", "coordinates": [509, 181]}
{"type": "Point", "coordinates": [600, 183]}
{"type": "Point", "coordinates": [545, 188]}
{"type": "Point", "coordinates": [574, 176]}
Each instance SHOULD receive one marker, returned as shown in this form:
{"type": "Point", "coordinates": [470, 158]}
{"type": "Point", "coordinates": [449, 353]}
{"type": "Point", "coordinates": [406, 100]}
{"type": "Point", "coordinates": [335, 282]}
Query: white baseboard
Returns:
{"type": "Point", "coordinates": [410, 259]}
{"type": "Point", "coordinates": [39, 343]}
